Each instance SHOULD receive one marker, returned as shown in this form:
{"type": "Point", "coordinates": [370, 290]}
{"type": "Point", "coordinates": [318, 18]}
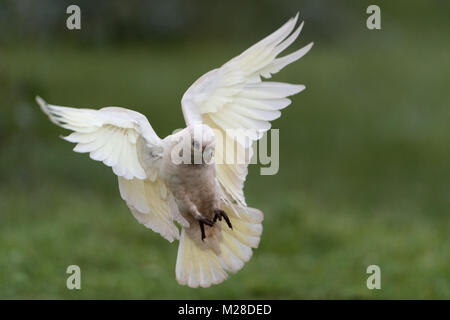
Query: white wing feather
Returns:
{"type": "Point", "coordinates": [152, 205]}
{"type": "Point", "coordinates": [119, 137]}
{"type": "Point", "coordinates": [235, 97]}
{"type": "Point", "coordinates": [109, 135]}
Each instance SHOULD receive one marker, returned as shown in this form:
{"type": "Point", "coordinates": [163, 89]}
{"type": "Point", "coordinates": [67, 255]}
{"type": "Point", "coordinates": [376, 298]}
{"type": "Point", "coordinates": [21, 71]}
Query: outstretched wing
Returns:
{"type": "Point", "coordinates": [233, 98]}
{"type": "Point", "coordinates": [123, 140]}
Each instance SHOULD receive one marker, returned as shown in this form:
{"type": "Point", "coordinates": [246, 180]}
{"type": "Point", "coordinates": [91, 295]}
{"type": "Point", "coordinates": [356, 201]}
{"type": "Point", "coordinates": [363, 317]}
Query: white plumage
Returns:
{"type": "Point", "coordinates": [206, 199]}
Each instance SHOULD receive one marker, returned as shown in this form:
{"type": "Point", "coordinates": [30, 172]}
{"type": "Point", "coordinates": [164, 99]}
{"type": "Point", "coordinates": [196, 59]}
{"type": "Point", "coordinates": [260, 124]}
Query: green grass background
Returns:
{"type": "Point", "coordinates": [364, 169]}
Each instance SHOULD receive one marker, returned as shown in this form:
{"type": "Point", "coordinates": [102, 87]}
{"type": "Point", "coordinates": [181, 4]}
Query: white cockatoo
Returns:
{"type": "Point", "coordinates": [204, 195]}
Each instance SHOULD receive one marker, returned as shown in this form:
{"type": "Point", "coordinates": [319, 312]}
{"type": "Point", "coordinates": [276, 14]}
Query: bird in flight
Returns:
{"type": "Point", "coordinates": [193, 177]}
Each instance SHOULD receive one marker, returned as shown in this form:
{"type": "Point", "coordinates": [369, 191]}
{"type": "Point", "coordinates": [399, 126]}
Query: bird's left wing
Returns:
{"type": "Point", "coordinates": [125, 141]}
{"type": "Point", "coordinates": [234, 98]}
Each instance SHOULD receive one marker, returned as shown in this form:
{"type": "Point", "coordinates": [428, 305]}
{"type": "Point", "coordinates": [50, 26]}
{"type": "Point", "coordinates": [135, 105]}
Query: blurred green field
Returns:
{"type": "Point", "coordinates": [364, 173]}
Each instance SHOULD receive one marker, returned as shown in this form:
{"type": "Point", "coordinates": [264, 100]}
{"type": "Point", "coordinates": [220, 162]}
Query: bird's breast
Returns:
{"type": "Point", "coordinates": [198, 184]}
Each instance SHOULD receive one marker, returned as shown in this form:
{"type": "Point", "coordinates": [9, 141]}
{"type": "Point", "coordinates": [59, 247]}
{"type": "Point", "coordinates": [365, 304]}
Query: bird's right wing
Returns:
{"type": "Point", "coordinates": [125, 141]}
{"type": "Point", "coordinates": [239, 104]}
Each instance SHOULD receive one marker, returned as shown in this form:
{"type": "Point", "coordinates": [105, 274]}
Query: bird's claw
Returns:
{"type": "Point", "coordinates": [202, 221]}
{"type": "Point", "coordinates": [218, 214]}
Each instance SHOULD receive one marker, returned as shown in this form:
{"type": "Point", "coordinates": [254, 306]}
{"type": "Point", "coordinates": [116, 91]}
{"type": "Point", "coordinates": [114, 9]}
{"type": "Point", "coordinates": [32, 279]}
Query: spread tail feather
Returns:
{"type": "Point", "coordinates": [199, 266]}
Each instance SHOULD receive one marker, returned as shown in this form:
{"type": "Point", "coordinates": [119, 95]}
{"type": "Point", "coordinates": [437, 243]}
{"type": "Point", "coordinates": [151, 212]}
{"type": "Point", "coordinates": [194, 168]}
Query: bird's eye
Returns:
{"type": "Point", "coordinates": [196, 145]}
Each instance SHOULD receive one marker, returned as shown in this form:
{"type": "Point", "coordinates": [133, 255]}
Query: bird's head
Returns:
{"type": "Point", "coordinates": [203, 142]}
{"type": "Point", "coordinates": [195, 145]}
{"type": "Point", "coordinates": [202, 136]}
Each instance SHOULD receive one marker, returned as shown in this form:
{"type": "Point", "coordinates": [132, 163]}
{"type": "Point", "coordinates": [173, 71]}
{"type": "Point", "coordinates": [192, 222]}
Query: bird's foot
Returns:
{"type": "Point", "coordinates": [218, 214]}
{"type": "Point", "coordinates": [202, 221]}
